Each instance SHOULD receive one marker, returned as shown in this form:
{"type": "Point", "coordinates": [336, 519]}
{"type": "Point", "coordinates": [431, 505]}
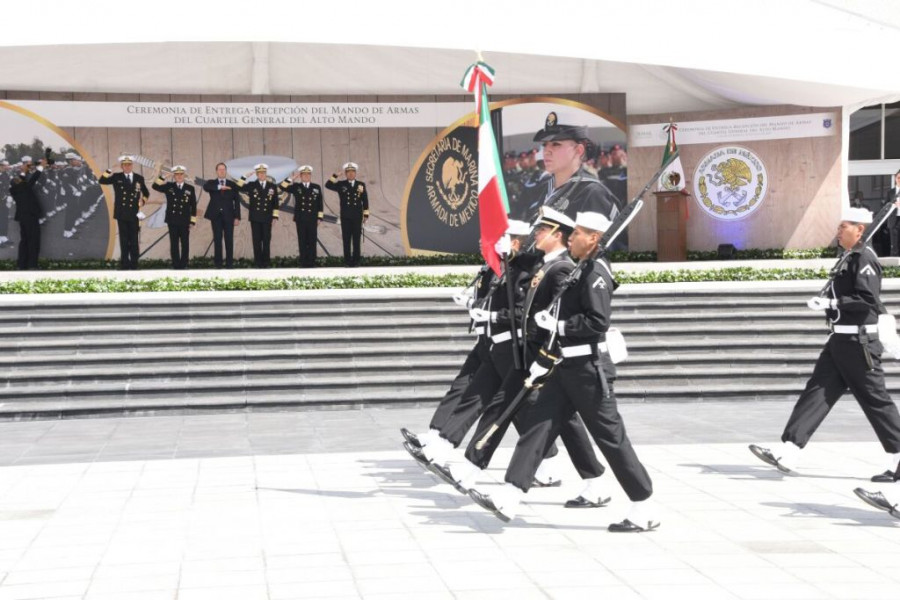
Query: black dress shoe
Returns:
{"type": "Point", "coordinates": [765, 455]}
{"type": "Point", "coordinates": [627, 526]}
{"type": "Point", "coordinates": [410, 437]}
{"type": "Point", "coordinates": [447, 477]}
{"type": "Point", "coordinates": [552, 483]}
{"type": "Point", "coordinates": [886, 477]}
{"type": "Point", "coordinates": [582, 502]}
{"type": "Point", "coordinates": [877, 500]}
{"type": "Point", "coordinates": [418, 455]}
{"type": "Point", "coordinates": [485, 502]}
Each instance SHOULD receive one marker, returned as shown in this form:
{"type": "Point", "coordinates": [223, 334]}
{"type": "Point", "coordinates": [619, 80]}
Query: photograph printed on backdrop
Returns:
{"type": "Point", "coordinates": [73, 219]}
{"type": "Point", "coordinates": [559, 153]}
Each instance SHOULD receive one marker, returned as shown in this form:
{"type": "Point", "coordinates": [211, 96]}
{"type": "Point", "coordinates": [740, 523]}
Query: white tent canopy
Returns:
{"type": "Point", "coordinates": [666, 56]}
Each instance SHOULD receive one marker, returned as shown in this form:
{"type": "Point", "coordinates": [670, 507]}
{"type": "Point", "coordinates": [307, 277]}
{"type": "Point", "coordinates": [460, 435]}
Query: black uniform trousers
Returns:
{"type": "Point", "coordinates": [351, 231]}
{"type": "Point", "coordinates": [128, 244]}
{"type": "Point", "coordinates": [477, 355]}
{"type": "Point", "coordinates": [481, 389]}
{"type": "Point", "coordinates": [578, 385]}
{"type": "Point", "coordinates": [223, 230]}
{"type": "Point", "coordinates": [29, 243]}
{"type": "Point", "coordinates": [179, 245]}
{"type": "Point", "coordinates": [262, 237]}
{"type": "Point", "coordinates": [841, 366]}
{"type": "Point", "coordinates": [4, 216]}
{"type": "Point", "coordinates": [573, 434]}
{"type": "Point", "coordinates": [307, 236]}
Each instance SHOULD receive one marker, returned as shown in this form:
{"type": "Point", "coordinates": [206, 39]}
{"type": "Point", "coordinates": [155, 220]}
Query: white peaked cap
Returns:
{"type": "Point", "coordinates": [518, 228]}
{"type": "Point", "coordinates": [126, 158]}
{"type": "Point", "coordinates": [72, 156]}
{"type": "Point", "coordinates": [857, 215]}
{"type": "Point", "coordinates": [261, 167]}
{"type": "Point", "coordinates": [305, 169]}
{"type": "Point", "coordinates": [178, 169]}
{"type": "Point", "coordinates": [593, 221]}
{"type": "Point", "coordinates": [351, 165]}
{"type": "Point", "coordinates": [25, 159]}
{"type": "Point", "coordinates": [556, 217]}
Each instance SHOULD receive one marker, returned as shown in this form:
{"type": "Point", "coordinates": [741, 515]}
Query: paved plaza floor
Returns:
{"type": "Point", "coordinates": [325, 504]}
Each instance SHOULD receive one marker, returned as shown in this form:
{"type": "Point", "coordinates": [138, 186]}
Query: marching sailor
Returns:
{"type": "Point", "coordinates": [577, 374]}
{"type": "Point", "coordinates": [851, 358]}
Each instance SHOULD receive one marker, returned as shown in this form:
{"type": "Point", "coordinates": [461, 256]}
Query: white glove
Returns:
{"type": "Point", "coordinates": [535, 371]}
{"type": "Point", "coordinates": [545, 320]}
{"type": "Point", "coordinates": [819, 303]}
{"type": "Point", "coordinates": [141, 216]}
{"type": "Point", "coordinates": [9, 202]}
{"type": "Point", "coordinates": [479, 315]}
{"type": "Point", "coordinates": [503, 245]}
{"type": "Point", "coordinates": [462, 299]}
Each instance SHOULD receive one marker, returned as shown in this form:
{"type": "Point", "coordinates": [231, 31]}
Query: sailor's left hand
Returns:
{"type": "Point", "coordinates": [479, 315]}
{"type": "Point", "coordinates": [819, 303]}
{"type": "Point", "coordinates": [545, 320]}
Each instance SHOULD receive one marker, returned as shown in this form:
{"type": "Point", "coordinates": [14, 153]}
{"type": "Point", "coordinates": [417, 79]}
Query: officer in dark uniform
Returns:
{"type": "Point", "coordinates": [582, 382]}
{"type": "Point", "coordinates": [23, 190]}
{"type": "Point", "coordinates": [354, 211]}
{"type": "Point", "coordinates": [571, 188]}
{"type": "Point", "coordinates": [308, 213]}
{"type": "Point", "coordinates": [224, 214]}
{"type": "Point", "coordinates": [6, 202]}
{"type": "Point", "coordinates": [181, 214]}
{"type": "Point", "coordinates": [479, 353]}
{"type": "Point", "coordinates": [131, 194]}
{"type": "Point", "coordinates": [264, 198]}
{"type": "Point", "coordinates": [851, 358]}
{"type": "Point", "coordinates": [542, 283]}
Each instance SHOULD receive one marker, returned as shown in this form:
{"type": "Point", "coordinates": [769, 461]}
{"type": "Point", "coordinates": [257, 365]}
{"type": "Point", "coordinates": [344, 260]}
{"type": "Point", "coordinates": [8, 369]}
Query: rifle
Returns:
{"type": "Point", "coordinates": [622, 220]}
{"type": "Point", "coordinates": [877, 221]}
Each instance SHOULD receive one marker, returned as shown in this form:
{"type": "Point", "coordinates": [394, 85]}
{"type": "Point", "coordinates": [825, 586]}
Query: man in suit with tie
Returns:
{"type": "Point", "coordinates": [131, 194]}
{"type": "Point", "coordinates": [224, 213]}
{"type": "Point", "coordinates": [354, 211]}
{"type": "Point", "coordinates": [181, 214]}
{"type": "Point", "coordinates": [308, 212]}
{"type": "Point", "coordinates": [263, 197]}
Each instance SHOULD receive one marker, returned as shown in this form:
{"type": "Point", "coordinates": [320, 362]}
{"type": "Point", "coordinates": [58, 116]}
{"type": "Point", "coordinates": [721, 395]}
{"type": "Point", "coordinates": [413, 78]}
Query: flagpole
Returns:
{"type": "Point", "coordinates": [511, 302]}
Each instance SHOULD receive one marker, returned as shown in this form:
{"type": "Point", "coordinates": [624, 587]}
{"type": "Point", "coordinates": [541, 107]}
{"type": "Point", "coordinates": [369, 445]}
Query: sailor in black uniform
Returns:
{"type": "Point", "coordinates": [264, 198]}
{"type": "Point", "coordinates": [308, 213]}
{"type": "Point", "coordinates": [851, 359]}
{"type": "Point", "coordinates": [181, 214]}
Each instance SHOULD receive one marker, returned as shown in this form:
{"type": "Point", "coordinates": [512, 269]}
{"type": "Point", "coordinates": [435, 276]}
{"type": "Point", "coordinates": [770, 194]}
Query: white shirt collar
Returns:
{"type": "Point", "coordinates": [550, 256]}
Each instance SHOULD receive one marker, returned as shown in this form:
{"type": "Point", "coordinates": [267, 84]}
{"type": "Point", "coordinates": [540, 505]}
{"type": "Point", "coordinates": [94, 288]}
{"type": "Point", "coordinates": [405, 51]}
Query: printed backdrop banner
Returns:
{"type": "Point", "coordinates": [415, 205]}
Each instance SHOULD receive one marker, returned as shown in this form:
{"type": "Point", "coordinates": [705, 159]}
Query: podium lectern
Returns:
{"type": "Point", "coordinates": [671, 226]}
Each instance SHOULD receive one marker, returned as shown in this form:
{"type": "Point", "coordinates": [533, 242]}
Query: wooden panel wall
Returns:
{"type": "Point", "coordinates": [802, 203]}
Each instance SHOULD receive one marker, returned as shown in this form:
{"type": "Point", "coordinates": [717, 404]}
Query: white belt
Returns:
{"type": "Point", "coordinates": [582, 350]}
{"type": "Point", "coordinates": [853, 329]}
{"type": "Point", "coordinates": [505, 336]}
{"type": "Point", "coordinates": [478, 330]}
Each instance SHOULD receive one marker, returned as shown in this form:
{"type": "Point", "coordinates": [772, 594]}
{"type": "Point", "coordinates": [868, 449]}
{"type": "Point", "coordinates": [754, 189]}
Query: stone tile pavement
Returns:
{"type": "Point", "coordinates": [324, 504]}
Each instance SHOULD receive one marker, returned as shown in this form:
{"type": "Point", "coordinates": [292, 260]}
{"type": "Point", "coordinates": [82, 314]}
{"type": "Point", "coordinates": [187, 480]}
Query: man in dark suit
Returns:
{"type": "Point", "coordinates": [131, 194]}
{"type": "Point", "coordinates": [308, 212]}
{"type": "Point", "coordinates": [28, 212]}
{"type": "Point", "coordinates": [354, 211]}
{"type": "Point", "coordinates": [263, 197]}
{"type": "Point", "coordinates": [181, 214]}
{"type": "Point", "coordinates": [224, 213]}
{"type": "Point", "coordinates": [893, 223]}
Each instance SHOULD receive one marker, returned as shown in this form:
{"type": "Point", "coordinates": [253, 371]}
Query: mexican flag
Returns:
{"type": "Point", "coordinates": [672, 179]}
{"type": "Point", "coordinates": [493, 206]}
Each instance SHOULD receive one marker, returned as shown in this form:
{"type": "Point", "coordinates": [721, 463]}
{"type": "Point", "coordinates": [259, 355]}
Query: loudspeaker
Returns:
{"type": "Point", "coordinates": [726, 251]}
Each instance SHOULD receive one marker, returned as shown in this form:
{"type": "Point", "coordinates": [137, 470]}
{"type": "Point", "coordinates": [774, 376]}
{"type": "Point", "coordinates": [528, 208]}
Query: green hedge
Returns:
{"type": "Point", "coordinates": [168, 284]}
{"type": "Point", "coordinates": [401, 261]}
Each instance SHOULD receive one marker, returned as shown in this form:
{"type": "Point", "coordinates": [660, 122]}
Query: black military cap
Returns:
{"type": "Point", "coordinates": [554, 130]}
